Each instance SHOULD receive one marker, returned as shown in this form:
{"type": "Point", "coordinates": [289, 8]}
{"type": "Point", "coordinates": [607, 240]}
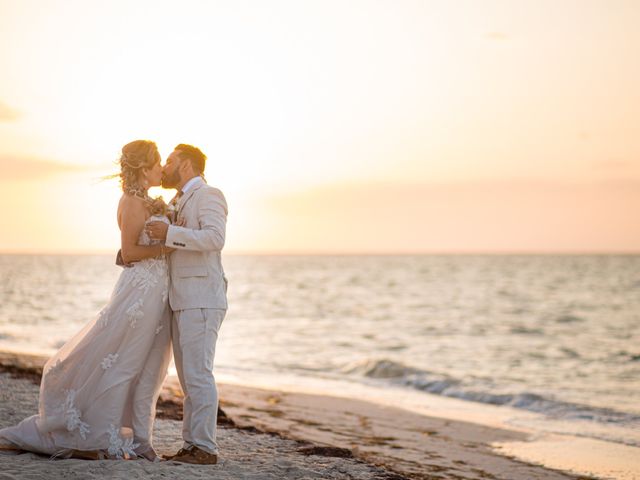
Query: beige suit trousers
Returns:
{"type": "Point", "coordinates": [194, 335]}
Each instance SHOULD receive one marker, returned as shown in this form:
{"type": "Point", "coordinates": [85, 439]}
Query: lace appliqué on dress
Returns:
{"type": "Point", "coordinates": [120, 447]}
{"type": "Point", "coordinates": [109, 360]}
{"type": "Point", "coordinates": [72, 416]}
{"type": "Point", "coordinates": [134, 313]}
{"type": "Point", "coordinates": [143, 276]}
{"type": "Point", "coordinates": [103, 318]}
{"type": "Point", "coordinates": [165, 291]}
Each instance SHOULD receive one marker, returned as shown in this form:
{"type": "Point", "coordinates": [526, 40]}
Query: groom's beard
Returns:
{"type": "Point", "coordinates": [170, 181]}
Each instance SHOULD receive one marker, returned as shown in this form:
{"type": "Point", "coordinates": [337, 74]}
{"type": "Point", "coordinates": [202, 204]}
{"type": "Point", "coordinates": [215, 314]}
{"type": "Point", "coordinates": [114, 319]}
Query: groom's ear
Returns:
{"type": "Point", "coordinates": [184, 165]}
{"type": "Point", "coordinates": [181, 163]}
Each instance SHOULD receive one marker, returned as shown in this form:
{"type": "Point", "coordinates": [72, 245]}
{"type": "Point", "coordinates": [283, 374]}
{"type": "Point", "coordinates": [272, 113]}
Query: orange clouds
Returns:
{"type": "Point", "coordinates": [502, 216]}
{"type": "Point", "coordinates": [26, 168]}
{"type": "Point", "coordinates": [7, 113]}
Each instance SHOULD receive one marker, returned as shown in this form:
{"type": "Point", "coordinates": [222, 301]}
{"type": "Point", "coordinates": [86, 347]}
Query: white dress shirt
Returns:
{"type": "Point", "coordinates": [191, 183]}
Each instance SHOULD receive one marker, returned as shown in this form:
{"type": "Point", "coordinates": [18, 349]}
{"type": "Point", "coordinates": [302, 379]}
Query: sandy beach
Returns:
{"type": "Point", "coordinates": [273, 434]}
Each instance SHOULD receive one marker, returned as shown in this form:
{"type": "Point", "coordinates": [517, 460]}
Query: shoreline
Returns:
{"type": "Point", "coordinates": [402, 443]}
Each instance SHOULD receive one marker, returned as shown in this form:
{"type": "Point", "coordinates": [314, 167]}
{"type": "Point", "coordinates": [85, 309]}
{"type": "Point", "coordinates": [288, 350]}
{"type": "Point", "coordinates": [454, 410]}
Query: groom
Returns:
{"type": "Point", "coordinates": [197, 295]}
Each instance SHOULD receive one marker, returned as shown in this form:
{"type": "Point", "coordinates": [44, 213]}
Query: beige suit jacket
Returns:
{"type": "Point", "coordinates": [197, 276]}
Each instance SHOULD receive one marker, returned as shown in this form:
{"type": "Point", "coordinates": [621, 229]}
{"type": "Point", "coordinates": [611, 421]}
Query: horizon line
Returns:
{"type": "Point", "coordinates": [298, 253]}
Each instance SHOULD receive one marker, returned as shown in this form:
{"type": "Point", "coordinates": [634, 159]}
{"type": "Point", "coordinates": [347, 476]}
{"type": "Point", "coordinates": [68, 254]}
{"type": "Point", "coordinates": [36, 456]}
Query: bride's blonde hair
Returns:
{"type": "Point", "coordinates": [135, 157]}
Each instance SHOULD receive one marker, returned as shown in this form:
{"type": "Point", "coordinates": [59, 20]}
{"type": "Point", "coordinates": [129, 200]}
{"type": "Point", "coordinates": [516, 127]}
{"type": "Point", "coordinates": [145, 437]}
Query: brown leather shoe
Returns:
{"type": "Point", "coordinates": [179, 453]}
{"type": "Point", "coordinates": [196, 456]}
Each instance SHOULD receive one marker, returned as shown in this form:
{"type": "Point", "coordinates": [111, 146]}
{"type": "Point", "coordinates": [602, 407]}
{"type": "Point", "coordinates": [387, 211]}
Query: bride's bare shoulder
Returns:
{"type": "Point", "coordinates": [128, 201]}
{"type": "Point", "coordinates": [130, 206]}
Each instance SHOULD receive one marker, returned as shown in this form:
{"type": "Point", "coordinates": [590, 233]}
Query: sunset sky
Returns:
{"type": "Point", "coordinates": [331, 126]}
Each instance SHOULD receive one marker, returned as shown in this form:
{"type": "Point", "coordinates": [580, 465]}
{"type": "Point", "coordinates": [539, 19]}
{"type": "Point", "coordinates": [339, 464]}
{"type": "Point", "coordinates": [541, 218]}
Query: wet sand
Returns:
{"type": "Point", "coordinates": [274, 434]}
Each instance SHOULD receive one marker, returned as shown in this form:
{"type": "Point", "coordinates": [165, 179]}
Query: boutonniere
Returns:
{"type": "Point", "coordinates": [172, 210]}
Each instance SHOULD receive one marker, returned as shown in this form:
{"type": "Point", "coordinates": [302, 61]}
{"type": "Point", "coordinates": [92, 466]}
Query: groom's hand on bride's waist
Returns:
{"type": "Point", "coordinates": [120, 260]}
{"type": "Point", "coordinates": [157, 230]}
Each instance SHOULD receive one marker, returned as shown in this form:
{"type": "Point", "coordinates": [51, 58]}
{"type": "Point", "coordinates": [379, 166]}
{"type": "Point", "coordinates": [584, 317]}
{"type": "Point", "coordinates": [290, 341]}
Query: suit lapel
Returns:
{"type": "Point", "coordinates": [187, 196]}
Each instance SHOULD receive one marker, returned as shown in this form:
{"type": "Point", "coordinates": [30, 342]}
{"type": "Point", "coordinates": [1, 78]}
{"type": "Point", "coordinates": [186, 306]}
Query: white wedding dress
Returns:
{"type": "Point", "coordinates": [99, 391]}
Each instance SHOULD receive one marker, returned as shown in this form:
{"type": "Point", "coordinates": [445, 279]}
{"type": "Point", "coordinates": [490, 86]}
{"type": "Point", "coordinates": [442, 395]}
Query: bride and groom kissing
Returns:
{"type": "Point", "coordinates": [98, 393]}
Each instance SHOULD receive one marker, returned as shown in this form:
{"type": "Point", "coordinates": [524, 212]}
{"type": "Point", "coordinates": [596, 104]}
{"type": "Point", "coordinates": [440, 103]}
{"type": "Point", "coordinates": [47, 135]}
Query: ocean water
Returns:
{"type": "Point", "coordinates": [555, 335]}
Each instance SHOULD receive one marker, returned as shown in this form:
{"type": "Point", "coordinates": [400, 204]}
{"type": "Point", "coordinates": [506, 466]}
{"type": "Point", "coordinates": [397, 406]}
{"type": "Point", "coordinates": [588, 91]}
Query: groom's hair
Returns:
{"type": "Point", "coordinates": [194, 155]}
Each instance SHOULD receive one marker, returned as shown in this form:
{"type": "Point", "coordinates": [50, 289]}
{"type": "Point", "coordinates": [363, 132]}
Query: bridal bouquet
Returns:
{"type": "Point", "coordinates": [158, 207]}
{"type": "Point", "coordinates": [172, 211]}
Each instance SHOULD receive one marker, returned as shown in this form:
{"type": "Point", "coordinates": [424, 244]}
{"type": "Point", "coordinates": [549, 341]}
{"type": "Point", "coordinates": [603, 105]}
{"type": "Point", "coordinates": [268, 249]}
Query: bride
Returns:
{"type": "Point", "coordinates": [99, 391]}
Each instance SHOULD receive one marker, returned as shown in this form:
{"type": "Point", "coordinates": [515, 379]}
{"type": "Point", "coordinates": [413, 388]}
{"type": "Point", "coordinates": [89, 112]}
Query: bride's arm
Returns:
{"type": "Point", "coordinates": [132, 216]}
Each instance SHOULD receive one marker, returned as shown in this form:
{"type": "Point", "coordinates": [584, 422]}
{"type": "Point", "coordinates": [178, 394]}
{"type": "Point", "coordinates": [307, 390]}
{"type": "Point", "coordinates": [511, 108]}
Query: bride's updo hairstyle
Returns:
{"type": "Point", "coordinates": [137, 156]}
